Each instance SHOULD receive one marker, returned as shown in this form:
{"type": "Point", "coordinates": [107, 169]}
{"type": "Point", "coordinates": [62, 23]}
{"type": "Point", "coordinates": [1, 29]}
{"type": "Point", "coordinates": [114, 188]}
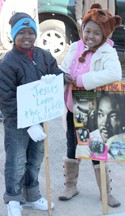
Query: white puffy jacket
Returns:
{"type": "Point", "coordinates": [105, 66]}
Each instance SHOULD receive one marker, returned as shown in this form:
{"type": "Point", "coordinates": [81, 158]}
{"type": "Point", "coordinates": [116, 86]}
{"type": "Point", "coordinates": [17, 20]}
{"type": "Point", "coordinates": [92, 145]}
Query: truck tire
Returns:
{"type": "Point", "coordinates": [56, 37]}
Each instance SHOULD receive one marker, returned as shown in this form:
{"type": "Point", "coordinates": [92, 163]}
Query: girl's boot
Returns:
{"type": "Point", "coordinates": [71, 171]}
{"type": "Point", "coordinates": [112, 201]}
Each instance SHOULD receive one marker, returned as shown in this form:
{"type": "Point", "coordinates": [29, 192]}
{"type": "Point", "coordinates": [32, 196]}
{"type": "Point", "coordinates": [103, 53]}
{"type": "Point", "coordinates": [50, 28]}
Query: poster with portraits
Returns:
{"type": "Point", "coordinates": [99, 119]}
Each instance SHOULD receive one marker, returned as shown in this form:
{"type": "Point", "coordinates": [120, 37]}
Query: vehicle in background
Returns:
{"type": "Point", "coordinates": [58, 27]}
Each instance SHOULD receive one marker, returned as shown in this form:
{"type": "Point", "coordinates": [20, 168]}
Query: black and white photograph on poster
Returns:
{"type": "Point", "coordinates": [101, 113]}
{"type": "Point", "coordinates": [84, 109]}
{"type": "Point", "coordinates": [83, 135]}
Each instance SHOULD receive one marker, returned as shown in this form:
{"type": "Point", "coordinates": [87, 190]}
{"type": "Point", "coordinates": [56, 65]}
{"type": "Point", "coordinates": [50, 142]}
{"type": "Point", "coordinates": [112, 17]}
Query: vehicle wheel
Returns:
{"type": "Point", "coordinates": [55, 36]}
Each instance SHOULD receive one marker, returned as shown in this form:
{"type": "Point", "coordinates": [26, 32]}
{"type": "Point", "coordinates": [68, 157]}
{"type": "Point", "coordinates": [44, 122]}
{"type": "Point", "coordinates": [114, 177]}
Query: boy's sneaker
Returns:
{"type": "Point", "coordinates": [40, 204]}
{"type": "Point", "coordinates": [14, 208]}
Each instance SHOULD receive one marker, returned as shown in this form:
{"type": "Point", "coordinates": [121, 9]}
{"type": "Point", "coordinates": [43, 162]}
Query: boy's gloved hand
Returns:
{"type": "Point", "coordinates": [48, 78]}
{"type": "Point", "coordinates": [36, 133]}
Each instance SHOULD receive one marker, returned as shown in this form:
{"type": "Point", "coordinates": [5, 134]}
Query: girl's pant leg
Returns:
{"type": "Point", "coordinates": [71, 136]}
{"type": "Point", "coordinates": [94, 162]}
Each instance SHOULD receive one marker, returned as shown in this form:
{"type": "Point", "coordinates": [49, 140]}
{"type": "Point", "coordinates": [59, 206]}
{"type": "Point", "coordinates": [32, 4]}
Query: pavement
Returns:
{"type": "Point", "coordinates": [87, 202]}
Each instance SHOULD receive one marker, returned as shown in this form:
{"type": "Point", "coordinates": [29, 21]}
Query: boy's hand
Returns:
{"type": "Point", "coordinates": [36, 133]}
{"type": "Point", "coordinates": [68, 79]}
{"type": "Point", "coordinates": [48, 78]}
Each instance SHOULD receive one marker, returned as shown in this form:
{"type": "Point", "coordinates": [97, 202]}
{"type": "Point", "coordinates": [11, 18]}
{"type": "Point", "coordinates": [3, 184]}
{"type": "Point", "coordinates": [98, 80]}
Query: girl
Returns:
{"type": "Point", "coordinates": [91, 62]}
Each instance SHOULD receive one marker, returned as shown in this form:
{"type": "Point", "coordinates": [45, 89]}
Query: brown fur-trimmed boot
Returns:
{"type": "Point", "coordinates": [112, 201]}
{"type": "Point", "coordinates": [71, 170]}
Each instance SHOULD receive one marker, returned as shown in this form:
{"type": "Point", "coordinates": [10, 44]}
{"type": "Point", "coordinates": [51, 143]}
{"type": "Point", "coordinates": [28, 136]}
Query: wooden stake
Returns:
{"type": "Point", "coordinates": [46, 156]}
{"type": "Point", "coordinates": [103, 187]}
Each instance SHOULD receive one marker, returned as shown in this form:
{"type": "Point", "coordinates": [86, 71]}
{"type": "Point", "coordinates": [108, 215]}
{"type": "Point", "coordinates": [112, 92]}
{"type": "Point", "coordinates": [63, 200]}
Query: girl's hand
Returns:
{"type": "Point", "coordinates": [68, 79]}
{"type": "Point", "coordinates": [78, 82]}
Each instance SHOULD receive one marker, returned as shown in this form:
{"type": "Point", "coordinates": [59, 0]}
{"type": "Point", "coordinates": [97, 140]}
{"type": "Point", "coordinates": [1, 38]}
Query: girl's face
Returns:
{"type": "Point", "coordinates": [92, 34]}
{"type": "Point", "coordinates": [25, 38]}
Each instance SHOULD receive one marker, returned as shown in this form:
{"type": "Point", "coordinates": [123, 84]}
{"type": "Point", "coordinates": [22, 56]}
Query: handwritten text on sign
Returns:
{"type": "Point", "coordinates": [40, 101]}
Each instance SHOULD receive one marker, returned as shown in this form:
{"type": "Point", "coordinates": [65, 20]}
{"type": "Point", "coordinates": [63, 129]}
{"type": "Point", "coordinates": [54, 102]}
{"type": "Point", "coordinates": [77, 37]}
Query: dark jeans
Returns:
{"type": "Point", "coordinates": [22, 166]}
{"type": "Point", "coordinates": [71, 138]}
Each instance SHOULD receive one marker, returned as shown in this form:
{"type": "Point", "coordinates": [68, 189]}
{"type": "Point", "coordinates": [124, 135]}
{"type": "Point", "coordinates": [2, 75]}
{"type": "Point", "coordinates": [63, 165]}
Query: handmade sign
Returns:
{"type": "Point", "coordinates": [40, 101]}
{"type": "Point", "coordinates": [99, 118]}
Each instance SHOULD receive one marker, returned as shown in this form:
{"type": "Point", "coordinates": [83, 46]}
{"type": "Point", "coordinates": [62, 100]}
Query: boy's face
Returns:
{"type": "Point", "coordinates": [25, 38]}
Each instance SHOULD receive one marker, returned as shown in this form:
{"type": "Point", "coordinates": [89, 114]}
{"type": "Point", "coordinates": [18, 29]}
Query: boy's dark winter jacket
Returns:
{"type": "Point", "coordinates": [16, 69]}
